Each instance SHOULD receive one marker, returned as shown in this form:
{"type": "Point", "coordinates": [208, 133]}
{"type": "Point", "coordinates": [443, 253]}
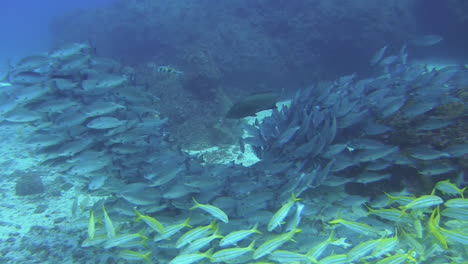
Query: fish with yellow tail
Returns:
{"type": "Point", "coordinates": [279, 216]}
{"type": "Point", "coordinates": [232, 253]}
{"type": "Point", "coordinates": [191, 258]}
{"type": "Point", "coordinates": [212, 210]}
{"type": "Point", "coordinates": [173, 229]}
{"type": "Point", "coordinates": [194, 234]}
{"type": "Point", "coordinates": [236, 236]}
{"type": "Point", "coordinates": [425, 201]}
{"type": "Point", "coordinates": [110, 230]}
{"type": "Point", "coordinates": [134, 255]}
{"type": "Point", "coordinates": [91, 225]}
{"type": "Point", "coordinates": [447, 187]}
{"type": "Point", "coordinates": [150, 221]}
{"type": "Point", "coordinates": [360, 228]}
{"type": "Point", "coordinates": [434, 228]}
{"type": "Point", "coordinates": [398, 258]}
{"type": "Point", "coordinates": [274, 243]}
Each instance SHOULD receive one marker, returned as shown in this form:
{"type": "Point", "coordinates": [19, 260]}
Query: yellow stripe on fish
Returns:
{"type": "Point", "coordinates": [91, 225]}
{"type": "Point", "coordinates": [150, 221]}
{"type": "Point", "coordinates": [274, 243]}
{"type": "Point", "coordinates": [357, 227]}
{"type": "Point", "coordinates": [195, 234]}
{"type": "Point", "coordinates": [279, 216]}
{"type": "Point", "coordinates": [108, 224]}
{"type": "Point", "coordinates": [231, 253]}
{"type": "Point", "coordinates": [236, 236]}
{"type": "Point", "coordinates": [422, 202]}
{"type": "Point", "coordinates": [212, 210]}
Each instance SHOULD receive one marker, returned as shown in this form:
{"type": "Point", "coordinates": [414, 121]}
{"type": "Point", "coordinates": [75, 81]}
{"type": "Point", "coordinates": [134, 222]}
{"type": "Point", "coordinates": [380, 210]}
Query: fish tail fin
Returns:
{"type": "Point", "coordinates": [186, 223]}
{"type": "Point", "coordinates": [255, 230]}
{"type": "Point", "coordinates": [294, 198]}
{"type": "Point", "coordinates": [146, 257]}
{"type": "Point", "coordinates": [251, 245]}
{"type": "Point", "coordinates": [196, 204]}
{"type": "Point", "coordinates": [403, 211]}
{"type": "Point", "coordinates": [462, 191]}
{"type": "Point", "coordinates": [139, 216]}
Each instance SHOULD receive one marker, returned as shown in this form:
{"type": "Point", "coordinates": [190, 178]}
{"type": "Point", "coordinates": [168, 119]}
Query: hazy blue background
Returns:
{"type": "Point", "coordinates": [24, 24]}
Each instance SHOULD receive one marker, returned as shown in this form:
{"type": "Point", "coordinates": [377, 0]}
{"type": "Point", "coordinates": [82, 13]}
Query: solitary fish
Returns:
{"type": "Point", "coordinates": [252, 104]}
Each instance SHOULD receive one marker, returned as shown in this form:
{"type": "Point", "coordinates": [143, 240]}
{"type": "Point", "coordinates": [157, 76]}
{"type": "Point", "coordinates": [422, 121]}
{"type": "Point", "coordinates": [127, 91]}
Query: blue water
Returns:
{"type": "Point", "coordinates": [24, 24]}
{"type": "Point", "coordinates": [94, 130]}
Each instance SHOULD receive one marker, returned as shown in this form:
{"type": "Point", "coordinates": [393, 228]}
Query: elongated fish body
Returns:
{"type": "Point", "coordinates": [449, 188]}
{"type": "Point", "coordinates": [425, 201]}
{"type": "Point", "coordinates": [123, 239]}
{"type": "Point", "coordinates": [173, 229]}
{"type": "Point", "coordinates": [334, 259]}
{"type": "Point", "coordinates": [318, 249]}
{"type": "Point", "coordinates": [279, 216]}
{"type": "Point", "coordinates": [252, 104]}
{"type": "Point", "coordinates": [190, 258]}
{"type": "Point", "coordinates": [231, 253]}
{"type": "Point", "coordinates": [236, 236]}
{"type": "Point", "coordinates": [378, 56]}
{"type": "Point", "coordinates": [105, 122]}
{"type": "Point", "coordinates": [361, 228]}
{"type": "Point", "coordinates": [457, 203]}
{"type": "Point", "coordinates": [274, 243]}
{"type": "Point", "coordinates": [133, 255]}
{"type": "Point", "coordinates": [195, 234]}
{"type": "Point", "coordinates": [150, 221]}
{"type": "Point", "coordinates": [91, 226]}
{"type": "Point", "coordinates": [361, 250]}
{"type": "Point", "coordinates": [110, 230]}
{"type": "Point", "coordinates": [212, 210]}
{"type": "Point", "coordinates": [426, 40]}
{"type": "Point", "coordinates": [397, 258]}
{"type": "Point", "coordinates": [285, 256]}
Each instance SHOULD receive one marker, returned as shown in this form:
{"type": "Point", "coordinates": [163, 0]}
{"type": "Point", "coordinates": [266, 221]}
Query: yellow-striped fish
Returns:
{"type": "Point", "coordinates": [279, 216]}
{"type": "Point", "coordinates": [231, 253]}
{"type": "Point", "coordinates": [91, 225]}
{"type": "Point", "coordinates": [108, 224]}
{"type": "Point", "coordinates": [212, 210]}
{"type": "Point", "coordinates": [274, 243]}
{"type": "Point", "coordinates": [236, 236]}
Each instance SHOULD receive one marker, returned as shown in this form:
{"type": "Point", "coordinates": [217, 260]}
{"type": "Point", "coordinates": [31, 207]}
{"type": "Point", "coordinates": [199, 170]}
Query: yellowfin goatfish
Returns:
{"type": "Point", "coordinates": [133, 255]}
{"type": "Point", "coordinates": [212, 210]}
{"type": "Point", "coordinates": [398, 258]}
{"type": "Point", "coordinates": [108, 223]}
{"type": "Point", "coordinates": [150, 221]}
{"type": "Point", "coordinates": [355, 226]}
{"type": "Point", "coordinates": [91, 225]}
{"type": "Point", "coordinates": [191, 258]}
{"type": "Point", "coordinates": [434, 228]}
{"type": "Point", "coordinates": [446, 187]}
{"type": "Point", "coordinates": [425, 201]}
{"type": "Point", "coordinates": [173, 229]}
{"type": "Point", "coordinates": [236, 236]}
{"type": "Point", "coordinates": [279, 216]}
{"type": "Point", "coordinates": [274, 243]}
{"type": "Point", "coordinates": [231, 253]}
{"type": "Point", "coordinates": [167, 69]}
{"type": "Point", "coordinates": [457, 203]}
{"type": "Point", "coordinates": [195, 234]}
